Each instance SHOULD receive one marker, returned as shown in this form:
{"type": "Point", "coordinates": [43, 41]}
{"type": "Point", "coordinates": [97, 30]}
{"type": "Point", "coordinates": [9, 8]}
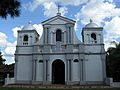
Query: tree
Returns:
{"type": "Point", "coordinates": [1, 59]}
{"type": "Point", "coordinates": [113, 62]}
{"type": "Point", "coordinates": [9, 7]}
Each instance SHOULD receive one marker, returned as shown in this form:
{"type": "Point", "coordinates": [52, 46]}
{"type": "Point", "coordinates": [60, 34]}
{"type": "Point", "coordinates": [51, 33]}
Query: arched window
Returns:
{"type": "Point", "coordinates": [25, 38]}
{"type": "Point", "coordinates": [76, 60]}
{"type": "Point", "coordinates": [40, 61]}
{"type": "Point", "coordinates": [58, 35]}
{"type": "Point", "coordinates": [93, 36]}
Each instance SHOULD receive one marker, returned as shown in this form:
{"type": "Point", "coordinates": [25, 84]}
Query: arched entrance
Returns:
{"type": "Point", "coordinates": [58, 72]}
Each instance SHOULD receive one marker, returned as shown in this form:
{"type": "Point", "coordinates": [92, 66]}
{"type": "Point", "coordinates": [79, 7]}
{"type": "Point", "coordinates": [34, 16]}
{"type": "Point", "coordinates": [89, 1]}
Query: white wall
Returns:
{"type": "Point", "coordinates": [93, 49]}
{"type": "Point", "coordinates": [25, 50]}
{"type": "Point", "coordinates": [93, 67]}
{"type": "Point", "coordinates": [24, 68]}
{"type": "Point", "coordinates": [9, 81]}
{"type": "Point", "coordinates": [76, 72]}
{"type": "Point", "coordinates": [39, 72]}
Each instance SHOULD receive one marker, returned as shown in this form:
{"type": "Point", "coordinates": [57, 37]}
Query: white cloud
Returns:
{"type": "Point", "coordinates": [73, 2]}
{"type": "Point", "coordinates": [7, 47]}
{"type": "Point", "coordinates": [10, 49]}
{"type": "Point", "coordinates": [112, 30]}
{"type": "Point", "coordinates": [15, 31]}
{"type": "Point", "coordinates": [39, 29]}
{"type": "Point", "coordinates": [50, 9]}
{"type": "Point", "coordinates": [50, 6]}
{"type": "Point", "coordinates": [98, 10]}
{"type": "Point", "coordinates": [3, 40]}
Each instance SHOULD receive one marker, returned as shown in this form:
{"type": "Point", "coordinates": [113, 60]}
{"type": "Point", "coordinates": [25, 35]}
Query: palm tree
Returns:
{"type": "Point", "coordinates": [9, 7]}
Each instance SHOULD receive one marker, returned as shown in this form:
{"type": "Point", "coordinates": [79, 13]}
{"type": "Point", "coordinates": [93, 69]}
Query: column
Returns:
{"type": "Point", "coordinates": [34, 70]}
{"type": "Point", "coordinates": [44, 35]}
{"type": "Point", "coordinates": [51, 37]}
{"type": "Point", "coordinates": [20, 42]}
{"type": "Point", "coordinates": [69, 69]}
{"type": "Point", "coordinates": [30, 40]}
{"type": "Point", "coordinates": [83, 70]}
{"type": "Point", "coordinates": [44, 71]}
{"type": "Point", "coordinates": [72, 38]}
{"type": "Point", "coordinates": [68, 35]}
{"type": "Point", "coordinates": [104, 68]}
{"type": "Point", "coordinates": [67, 65]}
{"type": "Point", "coordinates": [64, 37]}
{"type": "Point", "coordinates": [88, 37]}
{"type": "Point", "coordinates": [80, 70]}
{"type": "Point", "coordinates": [47, 35]}
{"type": "Point", "coordinates": [103, 60]}
{"type": "Point", "coordinates": [54, 37]}
{"type": "Point", "coordinates": [15, 69]}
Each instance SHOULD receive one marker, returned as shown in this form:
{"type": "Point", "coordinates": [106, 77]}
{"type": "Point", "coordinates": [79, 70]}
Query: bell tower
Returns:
{"type": "Point", "coordinates": [92, 34]}
{"type": "Point", "coordinates": [27, 36]}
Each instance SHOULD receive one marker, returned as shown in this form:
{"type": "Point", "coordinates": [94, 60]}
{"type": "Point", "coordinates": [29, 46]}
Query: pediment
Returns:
{"type": "Point", "coordinates": [58, 20]}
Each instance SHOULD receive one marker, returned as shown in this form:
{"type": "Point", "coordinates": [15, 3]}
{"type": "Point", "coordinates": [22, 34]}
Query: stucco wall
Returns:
{"type": "Point", "coordinates": [76, 72]}
{"type": "Point", "coordinates": [39, 71]}
{"type": "Point", "coordinates": [93, 68]}
{"type": "Point", "coordinates": [24, 68]}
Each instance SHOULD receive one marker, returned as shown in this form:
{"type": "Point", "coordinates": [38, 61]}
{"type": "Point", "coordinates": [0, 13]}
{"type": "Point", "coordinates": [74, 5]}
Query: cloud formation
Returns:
{"type": "Point", "coordinates": [3, 40]}
{"type": "Point", "coordinates": [98, 11]}
{"type": "Point", "coordinates": [51, 6]}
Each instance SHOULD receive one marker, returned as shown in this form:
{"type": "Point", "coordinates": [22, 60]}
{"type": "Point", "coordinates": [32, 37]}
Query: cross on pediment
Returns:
{"type": "Point", "coordinates": [58, 12]}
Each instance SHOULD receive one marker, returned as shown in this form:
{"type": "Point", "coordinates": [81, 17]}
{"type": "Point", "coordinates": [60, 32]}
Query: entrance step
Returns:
{"type": "Point", "coordinates": [56, 86]}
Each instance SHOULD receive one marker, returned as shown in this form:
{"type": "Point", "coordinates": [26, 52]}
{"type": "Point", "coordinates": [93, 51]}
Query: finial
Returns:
{"type": "Point", "coordinates": [29, 22]}
{"type": "Point", "coordinates": [91, 21]}
{"type": "Point", "coordinates": [0, 52]}
{"type": "Point", "coordinates": [58, 12]}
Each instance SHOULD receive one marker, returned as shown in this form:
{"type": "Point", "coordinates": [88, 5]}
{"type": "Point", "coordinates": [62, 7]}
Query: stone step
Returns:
{"type": "Point", "coordinates": [56, 86]}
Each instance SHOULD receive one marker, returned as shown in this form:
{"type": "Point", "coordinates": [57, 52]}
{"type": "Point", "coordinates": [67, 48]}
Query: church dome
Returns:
{"type": "Point", "coordinates": [29, 26]}
{"type": "Point", "coordinates": [91, 25]}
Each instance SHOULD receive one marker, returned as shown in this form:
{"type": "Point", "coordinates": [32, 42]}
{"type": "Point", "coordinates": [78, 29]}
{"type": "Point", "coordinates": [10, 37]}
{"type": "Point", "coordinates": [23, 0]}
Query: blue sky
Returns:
{"type": "Point", "coordinates": [105, 13]}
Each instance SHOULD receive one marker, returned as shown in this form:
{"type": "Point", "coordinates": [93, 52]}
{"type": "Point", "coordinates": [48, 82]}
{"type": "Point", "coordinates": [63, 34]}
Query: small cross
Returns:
{"type": "Point", "coordinates": [59, 9]}
{"type": "Point", "coordinates": [91, 21]}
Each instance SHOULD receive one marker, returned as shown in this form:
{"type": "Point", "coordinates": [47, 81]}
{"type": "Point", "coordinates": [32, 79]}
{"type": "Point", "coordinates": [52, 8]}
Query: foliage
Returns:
{"type": "Point", "coordinates": [1, 59]}
{"type": "Point", "coordinates": [9, 7]}
{"type": "Point", "coordinates": [113, 63]}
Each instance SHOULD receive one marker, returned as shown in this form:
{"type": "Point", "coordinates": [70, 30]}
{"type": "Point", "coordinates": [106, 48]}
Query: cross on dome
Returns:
{"type": "Point", "coordinates": [30, 22]}
{"type": "Point", "coordinates": [91, 20]}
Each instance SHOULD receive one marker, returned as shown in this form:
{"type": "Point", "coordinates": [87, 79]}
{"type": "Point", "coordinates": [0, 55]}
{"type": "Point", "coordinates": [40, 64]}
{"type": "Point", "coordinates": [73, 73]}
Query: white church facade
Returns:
{"type": "Point", "coordinates": [59, 57]}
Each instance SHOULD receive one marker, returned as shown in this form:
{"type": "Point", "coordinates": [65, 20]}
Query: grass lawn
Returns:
{"type": "Point", "coordinates": [59, 89]}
